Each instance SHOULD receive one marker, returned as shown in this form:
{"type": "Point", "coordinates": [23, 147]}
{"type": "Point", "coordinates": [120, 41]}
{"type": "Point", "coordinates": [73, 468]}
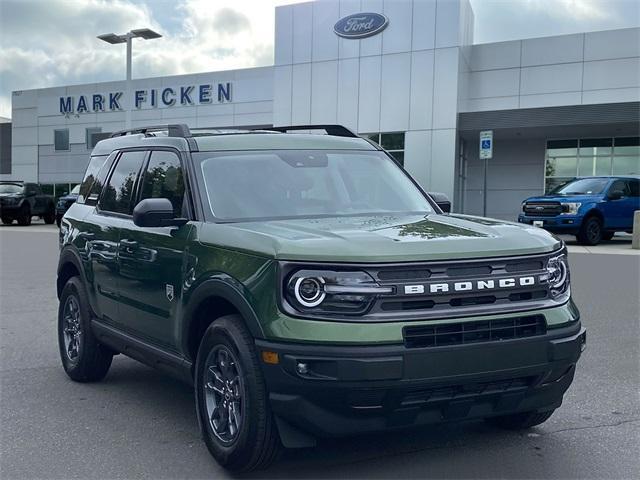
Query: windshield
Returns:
{"type": "Point", "coordinates": [10, 188]}
{"type": "Point", "coordinates": [75, 190]}
{"type": "Point", "coordinates": [309, 183]}
{"type": "Point", "coordinates": [584, 186]}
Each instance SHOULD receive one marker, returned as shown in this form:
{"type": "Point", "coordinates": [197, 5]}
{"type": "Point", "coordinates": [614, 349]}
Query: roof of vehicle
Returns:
{"type": "Point", "coordinates": [206, 140]}
{"type": "Point", "coordinates": [279, 141]}
{"type": "Point", "coordinates": [637, 177]}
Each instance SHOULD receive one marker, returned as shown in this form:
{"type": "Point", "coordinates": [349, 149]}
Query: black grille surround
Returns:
{"type": "Point", "coordinates": [401, 306]}
{"type": "Point", "coordinates": [542, 209]}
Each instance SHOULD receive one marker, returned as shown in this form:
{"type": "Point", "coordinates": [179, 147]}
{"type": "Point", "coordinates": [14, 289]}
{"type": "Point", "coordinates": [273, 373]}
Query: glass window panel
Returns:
{"type": "Point", "coordinates": [585, 166]}
{"type": "Point", "coordinates": [627, 141]}
{"type": "Point", "coordinates": [373, 136]}
{"type": "Point", "coordinates": [552, 183]}
{"type": "Point", "coordinates": [47, 188]}
{"type": "Point", "coordinates": [626, 165]}
{"type": "Point", "coordinates": [603, 166]}
{"type": "Point", "coordinates": [630, 150]}
{"type": "Point", "coordinates": [592, 151]}
{"type": "Point", "coordinates": [562, 167]}
{"type": "Point", "coordinates": [399, 156]}
{"type": "Point", "coordinates": [116, 196]}
{"type": "Point", "coordinates": [90, 138]}
{"type": "Point", "coordinates": [553, 144]}
{"type": "Point", "coordinates": [596, 142]}
{"type": "Point", "coordinates": [392, 141]}
{"type": "Point", "coordinates": [61, 139]}
{"type": "Point", "coordinates": [163, 179]}
{"type": "Point", "coordinates": [562, 152]}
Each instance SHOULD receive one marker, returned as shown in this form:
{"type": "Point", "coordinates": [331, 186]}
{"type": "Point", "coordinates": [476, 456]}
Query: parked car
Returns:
{"type": "Point", "coordinates": [591, 208]}
{"type": "Point", "coordinates": [65, 202]}
{"type": "Point", "coordinates": [22, 200]}
{"type": "Point", "coordinates": [307, 287]}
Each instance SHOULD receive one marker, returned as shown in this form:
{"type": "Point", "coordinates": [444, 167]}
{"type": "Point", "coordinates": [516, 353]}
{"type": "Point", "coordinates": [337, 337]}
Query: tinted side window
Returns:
{"type": "Point", "coordinates": [164, 179]}
{"type": "Point", "coordinates": [116, 196]}
{"type": "Point", "coordinates": [634, 188]}
{"type": "Point", "coordinates": [619, 185]}
{"type": "Point", "coordinates": [90, 175]}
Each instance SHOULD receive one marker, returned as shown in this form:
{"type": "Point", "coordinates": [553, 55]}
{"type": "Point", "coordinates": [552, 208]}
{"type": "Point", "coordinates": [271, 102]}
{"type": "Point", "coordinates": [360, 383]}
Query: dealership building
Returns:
{"type": "Point", "coordinates": [404, 73]}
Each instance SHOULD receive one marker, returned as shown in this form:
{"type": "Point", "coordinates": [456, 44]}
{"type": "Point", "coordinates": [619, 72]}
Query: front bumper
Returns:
{"type": "Point", "coordinates": [343, 390]}
{"type": "Point", "coordinates": [12, 209]}
{"type": "Point", "coordinates": [558, 223]}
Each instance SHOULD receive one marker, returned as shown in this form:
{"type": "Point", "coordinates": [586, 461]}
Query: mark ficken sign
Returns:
{"type": "Point", "coordinates": [204, 94]}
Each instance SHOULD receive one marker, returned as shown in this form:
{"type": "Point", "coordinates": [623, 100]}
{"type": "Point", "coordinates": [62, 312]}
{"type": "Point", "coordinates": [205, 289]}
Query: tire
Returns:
{"type": "Point", "coordinates": [608, 235]}
{"type": "Point", "coordinates": [255, 443]}
{"type": "Point", "coordinates": [7, 220]}
{"type": "Point", "coordinates": [24, 217]}
{"type": "Point", "coordinates": [50, 217]}
{"type": "Point", "coordinates": [520, 421]}
{"type": "Point", "coordinates": [87, 360]}
{"type": "Point", "coordinates": [590, 231]}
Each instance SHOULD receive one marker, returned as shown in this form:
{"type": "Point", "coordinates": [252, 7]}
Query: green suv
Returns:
{"type": "Point", "coordinates": [307, 287]}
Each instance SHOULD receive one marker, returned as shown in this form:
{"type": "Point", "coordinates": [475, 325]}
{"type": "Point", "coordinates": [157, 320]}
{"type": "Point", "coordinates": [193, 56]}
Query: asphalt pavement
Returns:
{"type": "Point", "coordinates": [138, 423]}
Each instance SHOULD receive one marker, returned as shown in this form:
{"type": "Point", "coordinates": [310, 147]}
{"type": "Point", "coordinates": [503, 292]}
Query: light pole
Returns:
{"type": "Point", "coordinates": [127, 38]}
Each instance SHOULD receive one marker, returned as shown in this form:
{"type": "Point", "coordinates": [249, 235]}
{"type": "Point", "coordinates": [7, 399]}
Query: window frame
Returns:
{"type": "Point", "coordinates": [134, 194]}
{"type": "Point", "coordinates": [378, 142]}
{"type": "Point", "coordinates": [576, 144]}
{"type": "Point", "coordinates": [55, 148]}
{"type": "Point", "coordinates": [187, 193]}
{"type": "Point", "coordinates": [88, 136]}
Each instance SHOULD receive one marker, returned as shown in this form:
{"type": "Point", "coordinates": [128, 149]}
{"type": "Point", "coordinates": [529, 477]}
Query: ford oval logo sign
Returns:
{"type": "Point", "coordinates": [360, 25]}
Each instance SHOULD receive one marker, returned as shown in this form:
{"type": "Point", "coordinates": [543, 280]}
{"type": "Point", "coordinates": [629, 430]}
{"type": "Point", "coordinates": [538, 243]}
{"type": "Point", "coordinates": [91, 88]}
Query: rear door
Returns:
{"type": "Point", "coordinates": [631, 202]}
{"type": "Point", "coordinates": [151, 260]}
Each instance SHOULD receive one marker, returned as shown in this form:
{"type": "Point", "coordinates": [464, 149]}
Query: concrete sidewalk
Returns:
{"type": "Point", "coordinates": [620, 244]}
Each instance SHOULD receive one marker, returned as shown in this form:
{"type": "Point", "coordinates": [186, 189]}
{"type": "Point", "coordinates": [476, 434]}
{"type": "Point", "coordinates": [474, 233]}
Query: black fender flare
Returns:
{"type": "Point", "coordinates": [68, 255]}
{"type": "Point", "coordinates": [228, 288]}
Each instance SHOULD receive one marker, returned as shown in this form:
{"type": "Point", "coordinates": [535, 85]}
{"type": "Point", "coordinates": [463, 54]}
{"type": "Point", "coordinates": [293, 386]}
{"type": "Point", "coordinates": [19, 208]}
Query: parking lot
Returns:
{"type": "Point", "coordinates": [139, 423]}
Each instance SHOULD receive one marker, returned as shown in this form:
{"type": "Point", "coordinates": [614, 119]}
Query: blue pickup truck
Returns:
{"type": "Point", "coordinates": [592, 208]}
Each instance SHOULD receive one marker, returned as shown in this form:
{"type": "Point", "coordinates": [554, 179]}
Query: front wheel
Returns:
{"type": "Point", "coordinates": [7, 220]}
{"type": "Point", "coordinates": [590, 232]}
{"type": "Point", "coordinates": [608, 235]}
{"type": "Point", "coordinates": [520, 421]}
{"type": "Point", "coordinates": [231, 398]}
{"type": "Point", "coordinates": [83, 358]}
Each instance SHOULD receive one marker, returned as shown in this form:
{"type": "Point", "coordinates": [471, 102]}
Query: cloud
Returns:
{"type": "Point", "coordinates": [48, 43]}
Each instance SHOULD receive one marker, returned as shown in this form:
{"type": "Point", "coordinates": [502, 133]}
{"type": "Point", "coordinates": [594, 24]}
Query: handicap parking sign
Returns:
{"type": "Point", "coordinates": [486, 144]}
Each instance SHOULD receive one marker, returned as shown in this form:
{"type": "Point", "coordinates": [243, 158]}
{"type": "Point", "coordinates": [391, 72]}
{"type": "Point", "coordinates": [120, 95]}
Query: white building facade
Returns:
{"type": "Point", "coordinates": [558, 106]}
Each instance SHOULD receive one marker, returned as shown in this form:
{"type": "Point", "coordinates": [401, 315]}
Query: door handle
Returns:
{"type": "Point", "coordinates": [128, 245]}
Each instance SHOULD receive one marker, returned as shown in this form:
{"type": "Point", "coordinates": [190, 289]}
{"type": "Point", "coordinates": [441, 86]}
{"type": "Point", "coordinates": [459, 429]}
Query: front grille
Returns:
{"type": "Point", "coordinates": [458, 392]}
{"type": "Point", "coordinates": [542, 209]}
{"type": "Point", "coordinates": [474, 332]}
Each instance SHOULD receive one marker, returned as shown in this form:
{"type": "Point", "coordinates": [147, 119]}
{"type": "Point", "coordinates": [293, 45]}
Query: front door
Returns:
{"type": "Point", "coordinates": [152, 260]}
{"type": "Point", "coordinates": [103, 240]}
{"type": "Point", "coordinates": [619, 211]}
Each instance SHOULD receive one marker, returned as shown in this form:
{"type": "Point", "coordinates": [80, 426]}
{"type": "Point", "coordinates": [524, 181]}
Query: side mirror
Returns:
{"type": "Point", "coordinates": [441, 200]}
{"type": "Point", "coordinates": [156, 212]}
{"type": "Point", "coordinates": [615, 195]}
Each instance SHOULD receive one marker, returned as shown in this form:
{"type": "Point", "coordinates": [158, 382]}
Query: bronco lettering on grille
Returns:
{"type": "Point", "coordinates": [470, 286]}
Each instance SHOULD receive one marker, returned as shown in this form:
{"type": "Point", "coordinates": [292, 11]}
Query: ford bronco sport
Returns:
{"type": "Point", "coordinates": [308, 288]}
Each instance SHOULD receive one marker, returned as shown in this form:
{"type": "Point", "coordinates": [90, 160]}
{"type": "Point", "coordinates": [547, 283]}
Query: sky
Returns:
{"type": "Point", "coordinates": [46, 43]}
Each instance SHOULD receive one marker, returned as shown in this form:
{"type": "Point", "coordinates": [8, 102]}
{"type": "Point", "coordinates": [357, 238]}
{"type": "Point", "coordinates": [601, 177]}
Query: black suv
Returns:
{"type": "Point", "coordinates": [22, 200]}
{"type": "Point", "coordinates": [309, 288]}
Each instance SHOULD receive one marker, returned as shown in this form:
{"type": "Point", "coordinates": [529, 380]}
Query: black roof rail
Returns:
{"type": "Point", "coordinates": [334, 130]}
{"type": "Point", "coordinates": [173, 130]}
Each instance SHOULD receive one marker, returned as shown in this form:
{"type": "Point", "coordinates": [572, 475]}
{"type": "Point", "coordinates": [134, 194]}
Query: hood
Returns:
{"type": "Point", "coordinates": [587, 198]}
{"type": "Point", "coordinates": [398, 238]}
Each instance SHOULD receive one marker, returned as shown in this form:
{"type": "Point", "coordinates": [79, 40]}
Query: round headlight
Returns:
{"type": "Point", "coordinates": [557, 270]}
{"type": "Point", "coordinates": [309, 291]}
